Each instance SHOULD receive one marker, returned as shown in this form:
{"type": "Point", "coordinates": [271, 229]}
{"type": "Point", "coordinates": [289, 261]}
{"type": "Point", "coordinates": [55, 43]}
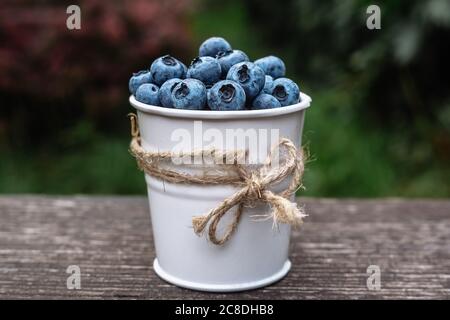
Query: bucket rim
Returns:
{"type": "Point", "coordinates": [222, 115]}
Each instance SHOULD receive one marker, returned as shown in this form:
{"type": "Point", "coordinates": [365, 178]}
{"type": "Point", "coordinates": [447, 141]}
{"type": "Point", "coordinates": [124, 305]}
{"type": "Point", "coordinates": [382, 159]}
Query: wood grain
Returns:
{"type": "Point", "coordinates": [110, 239]}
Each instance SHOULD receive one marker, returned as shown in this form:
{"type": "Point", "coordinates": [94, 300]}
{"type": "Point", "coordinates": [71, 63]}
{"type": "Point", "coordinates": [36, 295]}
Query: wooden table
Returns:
{"type": "Point", "coordinates": [110, 239]}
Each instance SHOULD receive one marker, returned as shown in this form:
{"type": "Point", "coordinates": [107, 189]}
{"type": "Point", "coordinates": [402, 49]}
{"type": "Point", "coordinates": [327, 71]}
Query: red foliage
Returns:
{"type": "Point", "coordinates": [40, 57]}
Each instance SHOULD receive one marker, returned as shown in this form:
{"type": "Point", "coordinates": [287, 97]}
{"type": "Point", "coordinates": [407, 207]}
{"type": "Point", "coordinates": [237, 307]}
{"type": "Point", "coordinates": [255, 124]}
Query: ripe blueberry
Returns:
{"type": "Point", "coordinates": [249, 76]}
{"type": "Point", "coordinates": [165, 92]}
{"type": "Point", "coordinates": [286, 91]}
{"type": "Point", "coordinates": [165, 68]}
{"type": "Point", "coordinates": [268, 86]}
{"type": "Point", "coordinates": [226, 95]}
{"type": "Point", "coordinates": [138, 78]}
{"type": "Point", "coordinates": [148, 93]}
{"type": "Point", "coordinates": [205, 69]}
{"type": "Point", "coordinates": [272, 66]}
{"type": "Point", "coordinates": [265, 101]}
{"type": "Point", "coordinates": [189, 94]}
{"type": "Point", "coordinates": [212, 46]}
{"type": "Point", "coordinates": [227, 59]}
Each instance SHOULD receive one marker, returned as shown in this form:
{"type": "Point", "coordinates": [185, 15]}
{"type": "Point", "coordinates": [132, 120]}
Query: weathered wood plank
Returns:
{"type": "Point", "coordinates": [110, 239]}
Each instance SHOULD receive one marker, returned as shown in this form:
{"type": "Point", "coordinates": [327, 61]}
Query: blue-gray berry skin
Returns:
{"type": "Point", "coordinates": [265, 101]}
{"type": "Point", "coordinates": [165, 92]}
{"type": "Point", "coordinates": [226, 95]}
{"type": "Point", "coordinates": [138, 78]}
{"type": "Point", "coordinates": [268, 86]}
{"type": "Point", "coordinates": [249, 76]}
{"type": "Point", "coordinates": [272, 66]}
{"type": "Point", "coordinates": [165, 68]}
{"type": "Point", "coordinates": [286, 91]}
{"type": "Point", "coordinates": [212, 46]}
{"type": "Point", "coordinates": [227, 59]}
{"type": "Point", "coordinates": [148, 93]}
{"type": "Point", "coordinates": [205, 69]}
{"type": "Point", "coordinates": [189, 94]}
{"type": "Point", "coordinates": [208, 88]}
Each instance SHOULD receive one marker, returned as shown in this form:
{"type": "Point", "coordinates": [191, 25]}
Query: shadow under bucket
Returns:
{"type": "Point", "coordinates": [256, 254]}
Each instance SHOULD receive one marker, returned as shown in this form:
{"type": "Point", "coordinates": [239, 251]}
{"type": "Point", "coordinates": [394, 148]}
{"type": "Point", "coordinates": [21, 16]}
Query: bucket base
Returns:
{"type": "Point", "coordinates": [221, 287]}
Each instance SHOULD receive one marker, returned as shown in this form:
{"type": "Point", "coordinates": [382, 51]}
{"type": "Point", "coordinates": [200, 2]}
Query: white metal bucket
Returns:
{"type": "Point", "coordinates": [256, 254]}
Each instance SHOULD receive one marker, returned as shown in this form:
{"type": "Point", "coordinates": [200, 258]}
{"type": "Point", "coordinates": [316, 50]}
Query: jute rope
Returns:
{"type": "Point", "coordinates": [254, 184]}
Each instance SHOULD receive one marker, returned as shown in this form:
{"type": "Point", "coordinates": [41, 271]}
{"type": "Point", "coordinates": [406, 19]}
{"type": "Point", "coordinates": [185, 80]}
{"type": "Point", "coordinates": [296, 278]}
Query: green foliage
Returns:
{"type": "Point", "coordinates": [348, 160]}
{"type": "Point", "coordinates": [97, 164]}
{"type": "Point", "coordinates": [388, 85]}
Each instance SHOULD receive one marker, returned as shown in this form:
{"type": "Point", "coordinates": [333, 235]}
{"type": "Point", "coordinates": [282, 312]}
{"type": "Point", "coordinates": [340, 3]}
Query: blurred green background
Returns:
{"type": "Point", "coordinates": [379, 124]}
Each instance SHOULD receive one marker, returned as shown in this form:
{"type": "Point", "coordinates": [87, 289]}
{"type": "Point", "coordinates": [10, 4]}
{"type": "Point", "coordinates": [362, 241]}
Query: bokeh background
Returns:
{"type": "Point", "coordinates": [379, 124]}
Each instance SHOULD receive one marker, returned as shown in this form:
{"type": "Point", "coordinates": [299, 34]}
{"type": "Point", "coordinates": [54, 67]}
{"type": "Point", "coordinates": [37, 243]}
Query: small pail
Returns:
{"type": "Point", "coordinates": [256, 254]}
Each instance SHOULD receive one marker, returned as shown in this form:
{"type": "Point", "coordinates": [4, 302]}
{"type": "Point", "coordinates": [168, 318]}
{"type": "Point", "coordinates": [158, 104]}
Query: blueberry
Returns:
{"type": "Point", "coordinates": [208, 88]}
{"type": "Point", "coordinates": [165, 92]}
{"type": "Point", "coordinates": [249, 76]}
{"type": "Point", "coordinates": [212, 46]}
{"type": "Point", "coordinates": [189, 94]}
{"type": "Point", "coordinates": [265, 101]}
{"type": "Point", "coordinates": [137, 79]}
{"type": "Point", "coordinates": [226, 95]}
{"type": "Point", "coordinates": [268, 86]}
{"type": "Point", "coordinates": [205, 69]}
{"type": "Point", "coordinates": [227, 59]}
{"type": "Point", "coordinates": [286, 91]}
{"type": "Point", "coordinates": [272, 66]}
{"type": "Point", "coordinates": [165, 68]}
{"type": "Point", "coordinates": [148, 93]}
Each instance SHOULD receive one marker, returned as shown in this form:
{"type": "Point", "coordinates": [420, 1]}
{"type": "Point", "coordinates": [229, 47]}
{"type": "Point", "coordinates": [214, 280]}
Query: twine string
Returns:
{"type": "Point", "coordinates": [254, 184]}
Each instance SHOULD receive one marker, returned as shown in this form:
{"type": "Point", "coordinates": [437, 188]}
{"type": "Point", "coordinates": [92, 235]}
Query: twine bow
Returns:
{"type": "Point", "coordinates": [254, 184]}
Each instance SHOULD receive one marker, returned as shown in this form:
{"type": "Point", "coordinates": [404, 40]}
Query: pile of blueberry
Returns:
{"type": "Point", "coordinates": [220, 78]}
